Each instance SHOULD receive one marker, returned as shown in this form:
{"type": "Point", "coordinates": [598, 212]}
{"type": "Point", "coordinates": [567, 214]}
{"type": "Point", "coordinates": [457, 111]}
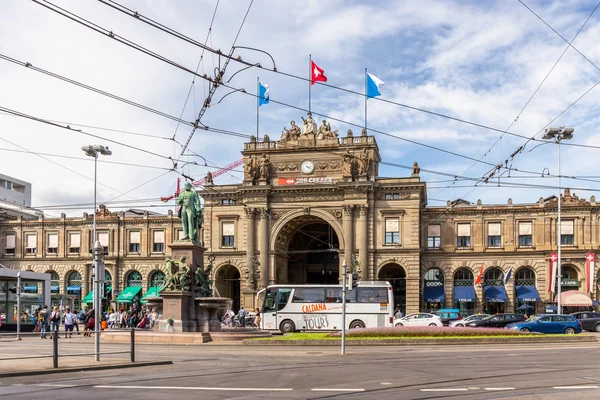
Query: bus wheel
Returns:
{"type": "Point", "coordinates": [287, 326]}
{"type": "Point", "coordinates": [357, 324]}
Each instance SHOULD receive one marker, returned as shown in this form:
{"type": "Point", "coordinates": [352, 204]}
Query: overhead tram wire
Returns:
{"type": "Point", "coordinates": [534, 93]}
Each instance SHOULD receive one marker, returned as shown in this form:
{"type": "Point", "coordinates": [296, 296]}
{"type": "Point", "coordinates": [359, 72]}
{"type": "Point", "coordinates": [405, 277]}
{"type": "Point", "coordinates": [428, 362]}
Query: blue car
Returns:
{"type": "Point", "coordinates": [548, 323]}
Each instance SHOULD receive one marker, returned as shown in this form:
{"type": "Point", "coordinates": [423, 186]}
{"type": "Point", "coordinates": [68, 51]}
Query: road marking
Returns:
{"type": "Point", "coordinates": [473, 387]}
{"type": "Point", "coordinates": [446, 390]}
{"type": "Point", "coordinates": [238, 389]}
{"type": "Point", "coordinates": [576, 387]}
{"type": "Point", "coordinates": [386, 383]}
{"type": "Point", "coordinates": [500, 388]}
{"type": "Point", "coordinates": [54, 385]}
{"type": "Point", "coordinates": [336, 390]}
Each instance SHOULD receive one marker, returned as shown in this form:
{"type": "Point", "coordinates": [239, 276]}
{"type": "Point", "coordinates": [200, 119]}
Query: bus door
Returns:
{"type": "Point", "coordinates": [276, 300]}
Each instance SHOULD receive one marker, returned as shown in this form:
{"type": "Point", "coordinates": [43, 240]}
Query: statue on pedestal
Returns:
{"type": "Point", "coordinates": [209, 178]}
{"type": "Point", "coordinates": [348, 165]}
{"type": "Point", "coordinates": [363, 163]}
{"type": "Point", "coordinates": [190, 213]}
{"type": "Point", "coordinates": [265, 168]}
{"type": "Point", "coordinates": [203, 281]}
{"type": "Point", "coordinates": [325, 131]}
{"type": "Point", "coordinates": [309, 126]}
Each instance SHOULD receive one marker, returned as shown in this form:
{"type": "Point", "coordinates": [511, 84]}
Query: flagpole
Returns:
{"type": "Point", "coordinates": [309, 79]}
{"type": "Point", "coordinates": [366, 99]}
{"type": "Point", "coordinates": [257, 103]}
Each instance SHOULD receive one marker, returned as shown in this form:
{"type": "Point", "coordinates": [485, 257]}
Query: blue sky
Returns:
{"type": "Point", "coordinates": [476, 61]}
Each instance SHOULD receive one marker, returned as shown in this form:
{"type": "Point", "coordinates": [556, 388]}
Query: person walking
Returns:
{"type": "Point", "coordinates": [43, 321]}
{"type": "Point", "coordinates": [257, 318]}
{"type": "Point", "coordinates": [70, 320]}
{"type": "Point", "coordinates": [242, 317]}
{"type": "Point", "coordinates": [55, 321]}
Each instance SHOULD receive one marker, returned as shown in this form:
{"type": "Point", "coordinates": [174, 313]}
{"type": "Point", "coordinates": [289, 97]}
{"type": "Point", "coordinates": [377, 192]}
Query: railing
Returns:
{"type": "Point", "coordinates": [55, 354]}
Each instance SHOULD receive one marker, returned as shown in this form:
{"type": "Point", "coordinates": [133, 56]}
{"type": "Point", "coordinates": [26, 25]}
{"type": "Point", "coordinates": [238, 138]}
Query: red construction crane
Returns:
{"type": "Point", "coordinates": [201, 182]}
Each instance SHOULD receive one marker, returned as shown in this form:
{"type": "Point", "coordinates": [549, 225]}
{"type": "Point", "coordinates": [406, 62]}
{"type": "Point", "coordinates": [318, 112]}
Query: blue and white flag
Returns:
{"type": "Point", "coordinates": [507, 276]}
{"type": "Point", "coordinates": [263, 93]}
{"type": "Point", "coordinates": [373, 86]}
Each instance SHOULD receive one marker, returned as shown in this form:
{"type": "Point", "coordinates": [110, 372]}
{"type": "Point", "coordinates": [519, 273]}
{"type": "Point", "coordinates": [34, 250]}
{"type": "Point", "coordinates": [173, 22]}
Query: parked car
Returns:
{"type": "Point", "coordinates": [548, 323]}
{"type": "Point", "coordinates": [448, 315]}
{"type": "Point", "coordinates": [471, 318]}
{"type": "Point", "coordinates": [419, 319]}
{"type": "Point", "coordinates": [497, 321]}
{"type": "Point", "coordinates": [590, 321]}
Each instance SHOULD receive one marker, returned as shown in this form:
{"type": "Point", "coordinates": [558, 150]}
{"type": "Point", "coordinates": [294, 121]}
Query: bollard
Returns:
{"type": "Point", "coordinates": [132, 351]}
{"type": "Point", "coordinates": [55, 349]}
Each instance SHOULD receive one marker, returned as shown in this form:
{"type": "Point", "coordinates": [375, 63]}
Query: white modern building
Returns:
{"type": "Point", "coordinates": [15, 191]}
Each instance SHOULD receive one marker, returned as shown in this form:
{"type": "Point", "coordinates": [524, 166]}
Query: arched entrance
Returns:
{"type": "Point", "coordinates": [227, 282]}
{"type": "Point", "coordinates": [310, 259]}
{"type": "Point", "coordinates": [433, 290]}
{"type": "Point", "coordinates": [526, 294]}
{"type": "Point", "coordinates": [570, 279]}
{"type": "Point", "coordinates": [396, 276]}
{"type": "Point", "coordinates": [494, 291]}
{"type": "Point", "coordinates": [464, 291]}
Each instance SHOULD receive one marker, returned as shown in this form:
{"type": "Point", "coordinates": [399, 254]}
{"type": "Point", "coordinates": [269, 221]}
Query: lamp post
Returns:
{"type": "Point", "coordinates": [19, 305]}
{"type": "Point", "coordinates": [93, 151]}
{"type": "Point", "coordinates": [557, 134]}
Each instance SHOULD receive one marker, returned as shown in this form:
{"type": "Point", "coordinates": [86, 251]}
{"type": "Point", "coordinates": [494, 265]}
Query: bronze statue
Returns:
{"type": "Point", "coordinates": [178, 274]}
{"type": "Point", "coordinates": [190, 213]}
{"type": "Point", "coordinates": [203, 281]}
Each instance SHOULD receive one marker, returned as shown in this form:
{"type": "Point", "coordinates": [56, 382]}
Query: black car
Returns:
{"type": "Point", "coordinates": [590, 321]}
{"type": "Point", "coordinates": [497, 321]}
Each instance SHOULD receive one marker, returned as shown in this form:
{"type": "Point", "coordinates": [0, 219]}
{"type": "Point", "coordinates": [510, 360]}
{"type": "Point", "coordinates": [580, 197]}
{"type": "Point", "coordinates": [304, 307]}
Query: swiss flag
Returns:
{"type": "Point", "coordinates": [479, 276]}
{"type": "Point", "coordinates": [316, 74]}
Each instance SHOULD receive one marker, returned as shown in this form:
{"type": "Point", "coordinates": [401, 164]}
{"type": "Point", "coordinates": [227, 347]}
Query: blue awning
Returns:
{"type": "Point", "coordinates": [495, 294]}
{"type": "Point", "coordinates": [527, 293]}
{"type": "Point", "coordinates": [464, 294]}
{"type": "Point", "coordinates": [433, 294]}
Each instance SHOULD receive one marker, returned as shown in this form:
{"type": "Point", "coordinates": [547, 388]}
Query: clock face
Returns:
{"type": "Point", "coordinates": [307, 167]}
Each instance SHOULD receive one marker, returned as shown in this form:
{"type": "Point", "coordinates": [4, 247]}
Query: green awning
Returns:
{"type": "Point", "coordinates": [128, 294]}
{"type": "Point", "coordinates": [154, 291]}
{"type": "Point", "coordinates": [89, 299]}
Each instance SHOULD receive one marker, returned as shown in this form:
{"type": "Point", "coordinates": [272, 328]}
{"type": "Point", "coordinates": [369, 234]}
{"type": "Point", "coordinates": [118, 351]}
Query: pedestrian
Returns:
{"type": "Point", "coordinates": [257, 318]}
{"type": "Point", "coordinates": [43, 320]}
{"type": "Point", "coordinates": [36, 321]}
{"type": "Point", "coordinates": [123, 318]}
{"type": "Point", "coordinates": [70, 319]}
{"type": "Point", "coordinates": [55, 321]}
{"type": "Point", "coordinates": [76, 321]}
{"type": "Point", "coordinates": [112, 319]}
{"type": "Point", "coordinates": [90, 325]}
{"type": "Point", "coordinates": [242, 316]}
{"type": "Point", "coordinates": [153, 317]}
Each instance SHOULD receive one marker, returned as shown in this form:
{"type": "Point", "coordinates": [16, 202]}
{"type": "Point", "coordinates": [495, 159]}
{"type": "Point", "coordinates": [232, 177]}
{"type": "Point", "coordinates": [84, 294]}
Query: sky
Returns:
{"type": "Point", "coordinates": [466, 84]}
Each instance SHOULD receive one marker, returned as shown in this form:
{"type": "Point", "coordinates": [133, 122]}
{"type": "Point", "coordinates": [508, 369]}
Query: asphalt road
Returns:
{"type": "Point", "coordinates": [237, 372]}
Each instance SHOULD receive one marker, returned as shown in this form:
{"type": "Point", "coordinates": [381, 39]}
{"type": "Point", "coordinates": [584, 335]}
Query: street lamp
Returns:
{"type": "Point", "coordinates": [93, 151]}
{"type": "Point", "coordinates": [557, 134]}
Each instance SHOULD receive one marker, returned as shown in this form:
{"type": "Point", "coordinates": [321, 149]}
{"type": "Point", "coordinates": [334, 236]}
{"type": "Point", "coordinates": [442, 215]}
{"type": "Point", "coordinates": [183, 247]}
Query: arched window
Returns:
{"type": "Point", "coordinates": [54, 282]}
{"type": "Point", "coordinates": [493, 277]}
{"type": "Point", "coordinates": [433, 290]}
{"type": "Point", "coordinates": [134, 278]}
{"type": "Point", "coordinates": [463, 277]}
{"type": "Point", "coordinates": [569, 272]}
{"type": "Point", "coordinates": [157, 278]}
{"type": "Point", "coordinates": [525, 277]}
{"type": "Point", "coordinates": [107, 279]}
{"type": "Point", "coordinates": [434, 277]}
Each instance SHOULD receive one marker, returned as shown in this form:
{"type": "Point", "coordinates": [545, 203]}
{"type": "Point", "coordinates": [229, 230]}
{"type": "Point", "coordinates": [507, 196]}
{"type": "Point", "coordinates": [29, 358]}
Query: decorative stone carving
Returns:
{"type": "Point", "coordinates": [265, 168]}
{"type": "Point", "coordinates": [364, 132]}
{"type": "Point", "coordinates": [349, 209]}
{"type": "Point", "coordinates": [209, 178]}
{"type": "Point", "coordinates": [290, 134]}
{"type": "Point", "coordinates": [348, 166]}
{"type": "Point", "coordinates": [336, 213]}
{"type": "Point", "coordinates": [362, 164]}
{"type": "Point", "coordinates": [325, 131]}
{"type": "Point", "coordinates": [323, 166]}
{"type": "Point", "coordinates": [287, 167]}
{"type": "Point", "coordinates": [306, 210]}
{"type": "Point", "coordinates": [416, 170]}
{"type": "Point", "coordinates": [306, 198]}
{"type": "Point", "coordinates": [349, 133]}
{"type": "Point", "coordinates": [363, 209]}
{"type": "Point", "coordinates": [250, 212]}
{"type": "Point", "coordinates": [309, 126]}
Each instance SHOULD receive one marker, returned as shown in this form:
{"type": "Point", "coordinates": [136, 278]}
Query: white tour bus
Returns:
{"type": "Point", "coordinates": [292, 308]}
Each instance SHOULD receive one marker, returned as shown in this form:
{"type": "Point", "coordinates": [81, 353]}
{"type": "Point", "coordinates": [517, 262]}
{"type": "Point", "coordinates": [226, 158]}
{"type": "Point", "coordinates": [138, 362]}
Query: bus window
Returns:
{"type": "Point", "coordinates": [309, 295]}
{"type": "Point", "coordinates": [334, 295]}
{"type": "Point", "coordinates": [283, 298]}
{"type": "Point", "coordinates": [269, 304]}
{"type": "Point", "coordinates": [372, 295]}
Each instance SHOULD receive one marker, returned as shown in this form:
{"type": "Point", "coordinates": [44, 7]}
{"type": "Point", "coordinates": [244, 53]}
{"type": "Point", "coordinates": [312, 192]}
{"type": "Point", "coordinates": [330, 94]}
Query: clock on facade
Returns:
{"type": "Point", "coordinates": [307, 167]}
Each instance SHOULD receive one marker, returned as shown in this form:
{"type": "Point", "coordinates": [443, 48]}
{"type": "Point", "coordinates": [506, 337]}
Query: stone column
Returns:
{"type": "Point", "coordinates": [348, 221]}
{"type": "Point", "coordinates": [363, 248]}
{"type": "Point", "coordinates": [263, 247]}
{"type": "Point", "coordinates": [250, 239]}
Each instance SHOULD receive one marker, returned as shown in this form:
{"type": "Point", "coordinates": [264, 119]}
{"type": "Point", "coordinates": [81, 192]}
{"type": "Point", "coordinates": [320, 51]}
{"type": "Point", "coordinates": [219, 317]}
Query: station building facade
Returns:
{"type": "Point", "coordinates": [309, 202]}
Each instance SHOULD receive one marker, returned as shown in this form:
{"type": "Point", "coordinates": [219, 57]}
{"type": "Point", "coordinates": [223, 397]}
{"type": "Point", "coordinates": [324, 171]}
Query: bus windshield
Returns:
{"type": "Point", "coordinates": [270, 303]}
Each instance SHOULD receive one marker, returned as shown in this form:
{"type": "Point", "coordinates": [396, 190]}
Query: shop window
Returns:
{"type": "Point", "coordinates": [567, 236]}
{"type": "Point", "coordinates": [52, 243]}
{"type": "Point", "coordinates": [135, 242]}
{"type": "Point", "coordinates": [433, 236]}
{"type": "Point", "coordinates": [392, 231]}
{"type": "Point", "coordinates": [494, 234]}
{"type": "Point", "coordinates": [525, 234]}
{"type": "Point", "coordinates": [464, 236]}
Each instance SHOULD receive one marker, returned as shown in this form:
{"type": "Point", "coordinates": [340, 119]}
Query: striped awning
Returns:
{"type": "Point", "coordinates": [574, 298]}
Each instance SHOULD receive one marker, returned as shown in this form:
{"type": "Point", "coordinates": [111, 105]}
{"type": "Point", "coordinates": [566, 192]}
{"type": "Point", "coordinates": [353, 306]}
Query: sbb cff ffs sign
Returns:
{"type": "Point", "coordinates": [301, 181]}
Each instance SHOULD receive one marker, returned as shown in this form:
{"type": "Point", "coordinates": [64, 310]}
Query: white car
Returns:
{"type": "Point", "coordinates": [419, 319]}
{"type": "Point", "coordinates": [471, 318]}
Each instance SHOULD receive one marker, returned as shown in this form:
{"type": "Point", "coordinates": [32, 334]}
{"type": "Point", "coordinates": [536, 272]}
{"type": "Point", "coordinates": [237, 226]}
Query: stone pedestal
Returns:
{"type": "Point", "coordinates": [178, 306]}
{"type": "Point", "coordinates": [193, 253]}
{"type": "Point", "coordinates": [206, 312]}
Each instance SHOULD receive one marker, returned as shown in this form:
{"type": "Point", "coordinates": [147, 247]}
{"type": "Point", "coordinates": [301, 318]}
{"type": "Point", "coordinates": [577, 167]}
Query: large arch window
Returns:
{"type": "Point", "coordinates": [493, 277]}
{"type": "Point", "coordinates": [433, 290]}
{"type": "Point", "coordinates": [134, 278]}
{"type": "Point", "coordinates": [526, 294]}
{"type": "Point", "coordinates": [157, 278]}
{"type": "Point", "coordinates": [494, 291]}
{"type": "Point", "coordinates": [464, 291]}
{"type": "Point", "coordinates": [525, 277]}
{"type": "Point", "coordinates": [54, 282]}
{"type": "Point", "coordinates": [74, 283]}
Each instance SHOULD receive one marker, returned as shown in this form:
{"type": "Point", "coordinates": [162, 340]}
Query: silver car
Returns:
{"type": "Point", "coordinates": [471, 318]}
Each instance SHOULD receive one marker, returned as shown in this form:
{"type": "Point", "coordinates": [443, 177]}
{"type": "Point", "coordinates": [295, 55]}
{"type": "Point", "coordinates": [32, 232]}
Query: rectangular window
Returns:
{"type": "Point", "coordinates": [228, 202]}
{"type": "Point", "coordinates": [179, 234]}
{"type": "Point", "coordinates": [31, 243]}
{"type": "Point", "coordinates": [309, 295]}
{"type": "Point", "coordinates": [433, 236]}
{"type": "Point", "coordinates": [74, 242]}
{"type": "Point", "coordinates": [228, 234]}
{"type": "Point", "coordinates": [52, 243]}
{"type": "Point", "coordinates": [371, 295]}
{"type": "Point", "coordinates": [567, 236]}
{"type": "Point", "coordinates": [134, 241]}
{"type": "Point", "coordinates": [464, 236]}
{"type": "Point", "coordinates": [158, 241]}
{"type": "Point", "coordinates": [9, 185]}
{"type": "Point", "coordinates": [388, 196]}
{"type": "Point", "coordinates": [494, 234]}
{"type": "Point", "coordinates": [103, 238]}
{"type": "Point", "coordinates": [392, 232]}
{"type": "Point", "coordinates": [525, 234]}
{"type": "Point", "coordinates": [11, 240]}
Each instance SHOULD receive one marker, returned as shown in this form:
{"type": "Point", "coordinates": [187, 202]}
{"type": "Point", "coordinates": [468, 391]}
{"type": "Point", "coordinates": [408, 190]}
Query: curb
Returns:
{"type": "Point", "coordinates": [83, 368]}
{"type": "Point", "coordinates": [410, 342]}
